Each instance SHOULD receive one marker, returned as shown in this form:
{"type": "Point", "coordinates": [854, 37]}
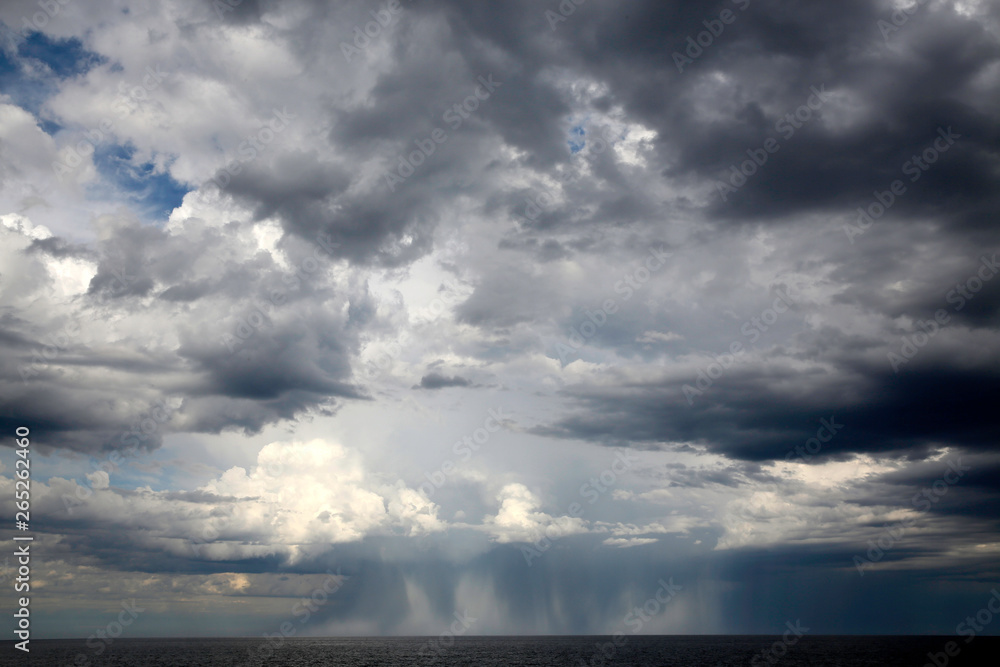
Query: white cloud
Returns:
{"type": "Point", "coordinates": [626, 542]}
{"type": "Point", "coordinates": [519, 518]}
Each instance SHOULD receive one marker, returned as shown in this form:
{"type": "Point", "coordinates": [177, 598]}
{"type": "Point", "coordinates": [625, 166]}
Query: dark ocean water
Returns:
{"type": "Point", "coordinates": [713, 651]}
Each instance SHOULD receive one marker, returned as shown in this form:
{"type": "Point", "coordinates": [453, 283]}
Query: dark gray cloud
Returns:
{"type": "Point", "coordinates": [439, 381]}
{"type": "Point", "coordinates": [765, 412]}
{"type": "Point", "coordinates": [270, 351]}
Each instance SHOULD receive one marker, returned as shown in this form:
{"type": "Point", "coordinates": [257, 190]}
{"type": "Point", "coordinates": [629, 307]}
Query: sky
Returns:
{"type": "Point", "coordinates": [348, 318]}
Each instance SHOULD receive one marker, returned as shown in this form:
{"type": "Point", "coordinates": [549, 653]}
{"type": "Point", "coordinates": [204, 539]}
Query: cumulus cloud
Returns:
{"type": "Point", "coordinates": [300, 499]}
{"type": "Point", "coordinates": [519, 518]}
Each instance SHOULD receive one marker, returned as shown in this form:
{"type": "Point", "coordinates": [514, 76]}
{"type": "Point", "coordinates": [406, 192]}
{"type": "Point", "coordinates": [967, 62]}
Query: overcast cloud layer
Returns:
{"type": "Point", "coordinates": [512, 309]}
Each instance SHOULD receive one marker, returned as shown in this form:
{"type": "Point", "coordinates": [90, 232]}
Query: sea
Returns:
{"type": "Point", "coordinates": [592, 651]}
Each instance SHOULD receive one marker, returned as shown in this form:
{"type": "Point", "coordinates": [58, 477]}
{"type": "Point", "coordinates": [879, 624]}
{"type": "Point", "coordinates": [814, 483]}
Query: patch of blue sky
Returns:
{"type": "Point", "coordinates": [149, 189]}
{"type": "Point", "coordinates": [65, 58]}
{"type": "Point", "coordinates": [24, 87]}
{"type": "Point", "coordinates": [30, 73]}
{"type": "Point", "coordinates": [131, 471]}
{"type": "Point", "coordinates": [577, 141]}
